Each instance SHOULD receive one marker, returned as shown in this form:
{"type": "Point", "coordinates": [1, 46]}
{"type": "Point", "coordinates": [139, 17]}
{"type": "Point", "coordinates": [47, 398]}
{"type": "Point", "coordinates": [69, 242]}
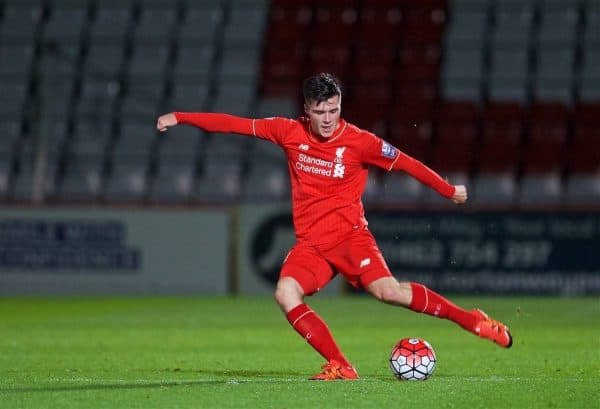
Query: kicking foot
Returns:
{"type": "Point", "coordinates": [491, 329]}
{"type": "Point", "coordinates": [333, 370]}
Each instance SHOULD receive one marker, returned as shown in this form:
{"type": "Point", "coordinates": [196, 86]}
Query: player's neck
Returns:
{"type": "Point", "coordinates": [339, 129]}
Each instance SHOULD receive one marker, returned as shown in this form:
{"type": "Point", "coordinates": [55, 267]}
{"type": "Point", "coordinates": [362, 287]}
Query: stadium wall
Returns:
{"type": "Point", "coordinates": [240, 250]}
{"type": "Point", "coordinates": [83, 252]}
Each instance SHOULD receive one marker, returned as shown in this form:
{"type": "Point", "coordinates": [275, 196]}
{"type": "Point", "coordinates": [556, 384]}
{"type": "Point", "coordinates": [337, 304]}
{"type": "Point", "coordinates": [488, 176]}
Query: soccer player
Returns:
{"type": "Point", "coordinates": [328, 160]}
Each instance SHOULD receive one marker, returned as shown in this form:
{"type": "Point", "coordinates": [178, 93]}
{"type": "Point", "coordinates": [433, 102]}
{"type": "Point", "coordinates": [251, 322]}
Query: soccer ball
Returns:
{"type": "Point", "coordinates": [412, 359]}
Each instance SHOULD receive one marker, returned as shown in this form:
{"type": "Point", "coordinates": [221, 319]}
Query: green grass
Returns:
{"type": "Point", "coordinates": [240, 353]}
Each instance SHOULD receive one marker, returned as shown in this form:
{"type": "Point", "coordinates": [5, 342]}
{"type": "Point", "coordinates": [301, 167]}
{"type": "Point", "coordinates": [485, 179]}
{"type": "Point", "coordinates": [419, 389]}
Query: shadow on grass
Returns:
{"type": "Point", "coordinates": [220, 378]}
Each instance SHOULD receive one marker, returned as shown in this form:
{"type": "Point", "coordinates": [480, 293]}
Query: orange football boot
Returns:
{"type": "Point", "coordinates": [333, 371]}
{"type": "Point", "coordinates": [493, 330]}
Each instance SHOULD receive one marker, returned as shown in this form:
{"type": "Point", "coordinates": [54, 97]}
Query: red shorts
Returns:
{"type": "Point", "coordinates": [357, 258]}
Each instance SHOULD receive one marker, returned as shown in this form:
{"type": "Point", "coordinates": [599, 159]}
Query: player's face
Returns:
{"type": "Point", "coordinates": [325, 116]}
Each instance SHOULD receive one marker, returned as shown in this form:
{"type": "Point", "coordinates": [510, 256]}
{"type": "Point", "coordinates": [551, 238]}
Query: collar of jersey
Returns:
{"type": "Point", "coordinates": [336, 134]}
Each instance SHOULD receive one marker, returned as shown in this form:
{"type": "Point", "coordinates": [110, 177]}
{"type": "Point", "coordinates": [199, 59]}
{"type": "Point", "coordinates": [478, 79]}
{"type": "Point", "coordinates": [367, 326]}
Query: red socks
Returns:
{"type": "Point", "coordinates": [312, 328]}
{"type": "Point", "coordinates": [429, 302]}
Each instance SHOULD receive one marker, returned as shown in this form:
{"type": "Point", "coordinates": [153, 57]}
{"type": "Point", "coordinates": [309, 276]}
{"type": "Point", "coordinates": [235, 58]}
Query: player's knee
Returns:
{"type": "Point", "coordinates": [287, 292]}
{"type": "Point", "coordinates": [388, 294]}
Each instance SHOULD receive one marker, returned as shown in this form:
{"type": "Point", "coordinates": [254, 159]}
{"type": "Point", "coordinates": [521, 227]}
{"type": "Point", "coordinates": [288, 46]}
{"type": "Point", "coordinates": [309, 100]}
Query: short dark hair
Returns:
{"type": "Point", "coordinates": [321, 87]}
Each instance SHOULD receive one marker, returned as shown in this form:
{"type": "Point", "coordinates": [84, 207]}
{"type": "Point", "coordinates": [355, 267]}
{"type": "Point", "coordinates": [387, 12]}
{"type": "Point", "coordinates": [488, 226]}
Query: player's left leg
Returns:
{"type": "Point", "coordinates": [362, 254]}
{"type": "Point", "coordinates": [419, 298]}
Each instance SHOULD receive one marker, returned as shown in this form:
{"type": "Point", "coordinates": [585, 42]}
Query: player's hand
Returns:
{"type": "Point", "coordinates": [165, 121]}
{"type": "Point", "coordinates": [460, 194]}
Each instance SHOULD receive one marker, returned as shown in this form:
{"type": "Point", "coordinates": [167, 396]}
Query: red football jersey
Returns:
{"type": "Point", "coordinates": [328, 176]}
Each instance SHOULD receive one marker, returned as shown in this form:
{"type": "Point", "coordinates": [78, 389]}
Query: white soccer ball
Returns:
{"type": "Point", "coordinates": [412, 359]}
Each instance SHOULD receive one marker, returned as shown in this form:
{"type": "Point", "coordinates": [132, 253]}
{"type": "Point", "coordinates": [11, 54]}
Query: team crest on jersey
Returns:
{"type": "Point", "coordinates": [339, 154]}
{"type": "Point", "coordinates": [388, 151]}
{"type": "Point", "coordinates": [339, 169]}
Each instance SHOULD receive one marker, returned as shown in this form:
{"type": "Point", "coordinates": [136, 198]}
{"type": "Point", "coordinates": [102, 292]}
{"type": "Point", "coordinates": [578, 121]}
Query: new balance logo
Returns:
{"type": "Point", "coordinates": [303, 147]}
{"type": "Point", "coordinates": [365, 262]}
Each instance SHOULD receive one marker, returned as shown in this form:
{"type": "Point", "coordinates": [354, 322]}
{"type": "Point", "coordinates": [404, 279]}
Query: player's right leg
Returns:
{"type": "Point", "coordinates": [297, 280]}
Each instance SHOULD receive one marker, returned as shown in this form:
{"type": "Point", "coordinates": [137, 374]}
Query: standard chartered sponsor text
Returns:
{"type": "Point", "coordinates": [319, 166]}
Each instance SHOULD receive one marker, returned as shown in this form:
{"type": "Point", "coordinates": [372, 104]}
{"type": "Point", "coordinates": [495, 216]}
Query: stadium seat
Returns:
{"type": "Point", "coordinates": [219, 181]}
{"type": "Point", "coordinates": [260, 149]}
{"type": "Point", "coordinates": [103, 61]}
{"type": "Point", "coordinates": [83, 178]}
{"type": "Point", "coordinates": [225, 145]}
{"type": "Point", "coordinates": [373, 64]}
{"type": "Point", "coordinates": [466, 27]}
{"type": "Point", "coordinates": [13, 97]}
{"type": "Point", "coordinates": [98, 99]}
{"type": "Point", "coordinates": [277, 106]}
{"type": "Point", "coordinates": [142, 100]}
{"type": "Point", "coordinates": [334, 23]}
{"type": "Point", "coordinates": [149, 61]}
{"type": "Point", "coordinates": [267, 180]}
{"type": "Point", "coordinates": [201, 23]}
{"type": "Point", "coordinates": [189, 97]}
{"type": "Point", "coordinates": [155, 24]}
{"type": "Point", "coordinates": [589, 87]}
{"type": "Point", "coordinates": [240, 64]}
{"type": "Point", "coordinates": [548, 124]}
{"type": "Point", "coordinates": [555, 75]}
{"type": "Point", "coordinates": [10, 136]}
{"type": "Point", "coordinates": [372, 192]}
{"type": "Point", "coordinates": [513, 25]}
{"type": "Point", "coordinates": [496, 190]}
{"type": "Point", "coordinates": [287, 23]}
{"type": "Point", "coordinates": [462, 74]}
{"type": "Point", "coordinates": [136, 139]}
{"type": "Point", "coordinates": [235, 98]}
{"type": "Point", "coordinates": [66, 22]}
{"type": "Point", "coordinates": [379, 22]}
{"type": "Point", "coordinates": [20, 23]}
{"type": "Point", "coordinates": [194, 64]}
{"type": "Point", "coordinates": [128, 180]}
{"type": "Point", "coordinates": [423, 21]}
{"type": "Point", "coordinates": [367, 106]}
{"type": "Point", "coordinates": [17, 62]}
{"type": "Point", "coordinates": [246, 25]}
{"type": "Point", "coordinates": [587, 125]}
{"type": "Point", "coordinates": [24, 178]}
{"type": "Point", "coordinates": [180, 141]}
{"type": "Point", "coordinates": [501, 138]}
{"type": "Point", "coordinates": [583, 190]}
{"type": "Point", "coordinates": [591, 34]}
{"type": "Point", "coordinates": [558, 27]}
{"type": "Point", "coordinates": [398, 188]}
{"type": "Point", "coordinates": [457, 123]}
{"type": "Point", "coordinates": [411, 128]}
{"type": "Point", "coordinates": [282, 70]}
{"type": "Point", "coordinates": [414, 99]}
{"type": "Point", "coordinates": [327, 58]}
{"type": "Point", "coordinates": [174, 181]}
{"type": "Point", "coordinates": [540, 191]}
{"type": "Point", "coordinates": [111, 22]}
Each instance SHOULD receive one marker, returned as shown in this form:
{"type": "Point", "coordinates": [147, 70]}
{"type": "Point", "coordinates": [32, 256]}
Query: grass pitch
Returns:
{"type": "Point", "coordinates": [194, 352]}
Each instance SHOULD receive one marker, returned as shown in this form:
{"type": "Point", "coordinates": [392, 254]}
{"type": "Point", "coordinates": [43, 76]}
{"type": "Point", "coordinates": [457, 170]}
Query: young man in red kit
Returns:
{"type": "Point", "coordinates": [328, 161]}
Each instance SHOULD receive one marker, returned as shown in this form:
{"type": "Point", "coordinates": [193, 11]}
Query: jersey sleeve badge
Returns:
{"type": "Point", "coordinates": [388, 151]}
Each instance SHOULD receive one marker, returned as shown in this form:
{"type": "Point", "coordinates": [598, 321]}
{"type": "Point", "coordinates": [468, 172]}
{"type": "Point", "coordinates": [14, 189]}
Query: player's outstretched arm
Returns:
{"type": "Point", "coordinates": [166, 121]}
{"type": "Point", "coordinates": [460, 194]}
